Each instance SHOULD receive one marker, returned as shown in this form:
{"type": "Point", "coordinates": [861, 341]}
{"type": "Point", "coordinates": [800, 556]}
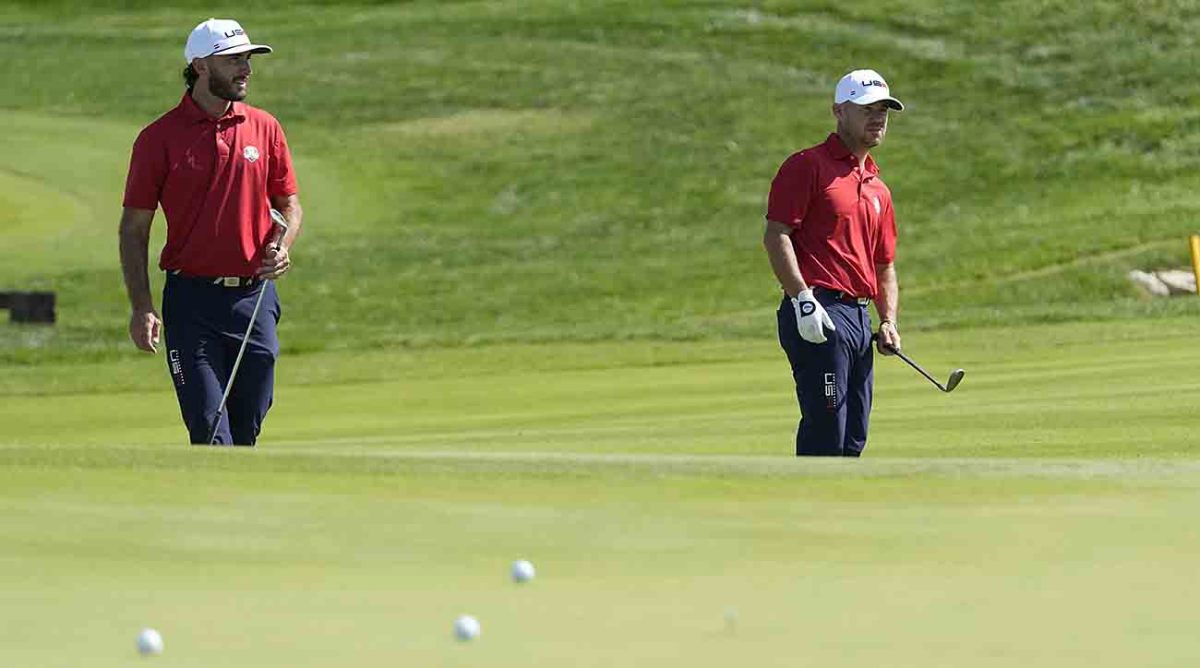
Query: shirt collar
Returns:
{"type": "Point", "coordinates": [195, 114]}
{"type": "Point", "coordinates": [838, 151]}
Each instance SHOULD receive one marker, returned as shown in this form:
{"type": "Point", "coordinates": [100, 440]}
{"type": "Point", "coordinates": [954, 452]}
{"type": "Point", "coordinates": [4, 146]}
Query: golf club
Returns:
{"type": "Point", "coordinates": [952, 382]}
{"type": "Point", "coordinates": [281, 229]}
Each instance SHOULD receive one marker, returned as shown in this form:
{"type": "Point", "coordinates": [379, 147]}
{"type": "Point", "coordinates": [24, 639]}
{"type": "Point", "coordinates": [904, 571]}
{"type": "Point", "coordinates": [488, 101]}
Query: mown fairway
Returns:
{"type": "Point", "coordinates": [1125, 390]}
{"type": "Point", "coordinates": [531, 319]}
{"type": "Point", "coordinates": [1040, 515]}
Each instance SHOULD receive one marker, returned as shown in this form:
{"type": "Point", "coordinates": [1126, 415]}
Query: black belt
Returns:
{"type": "Point", "coordinates": [223, 281]}
{"type": "Point", "coordinates": [841, 296]}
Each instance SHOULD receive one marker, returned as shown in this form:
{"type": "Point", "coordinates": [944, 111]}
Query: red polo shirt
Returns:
{"type": "Point", "coordinates": [212, 177]}
{"type": "Point", "coordinates": [841, 217]}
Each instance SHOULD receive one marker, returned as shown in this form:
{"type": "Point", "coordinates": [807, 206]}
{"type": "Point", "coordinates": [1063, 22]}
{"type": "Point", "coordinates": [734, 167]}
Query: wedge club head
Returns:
{"type": "Point", "coordinates": [955, 378]}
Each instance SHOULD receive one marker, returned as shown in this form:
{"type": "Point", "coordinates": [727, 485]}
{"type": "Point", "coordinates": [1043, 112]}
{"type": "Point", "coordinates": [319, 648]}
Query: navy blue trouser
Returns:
{"type": "Point", "coordinates": [834, 380]}
{"type": "Point", "coordinates": [204, 325]}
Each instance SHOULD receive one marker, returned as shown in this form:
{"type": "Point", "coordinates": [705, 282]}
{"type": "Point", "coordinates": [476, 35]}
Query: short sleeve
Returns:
{"type": "Point", "coordinates": [281, 180]}
{"type": "Point", "coordinates": [147, 172]}
{"type": "Point", "coordinates": [885, 250]}
{"type": "Point", "coordinates": [791, 190]}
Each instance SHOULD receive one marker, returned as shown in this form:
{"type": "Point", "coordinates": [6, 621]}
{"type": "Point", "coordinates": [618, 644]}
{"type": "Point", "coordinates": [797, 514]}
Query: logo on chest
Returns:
{"type": "Point", "coordinates": [250, 153]}
{"type": "Point", "coordinates": [878, 206]}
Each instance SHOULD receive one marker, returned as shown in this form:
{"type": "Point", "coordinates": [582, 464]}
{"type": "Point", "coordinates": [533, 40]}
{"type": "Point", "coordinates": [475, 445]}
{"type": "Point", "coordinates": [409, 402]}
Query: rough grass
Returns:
{"type": "Point", "coordinates": [509, 171]}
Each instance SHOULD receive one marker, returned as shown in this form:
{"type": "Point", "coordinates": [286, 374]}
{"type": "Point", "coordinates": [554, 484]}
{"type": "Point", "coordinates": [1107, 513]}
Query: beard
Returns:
{"type": "Point", "coordinates": [225, 89]}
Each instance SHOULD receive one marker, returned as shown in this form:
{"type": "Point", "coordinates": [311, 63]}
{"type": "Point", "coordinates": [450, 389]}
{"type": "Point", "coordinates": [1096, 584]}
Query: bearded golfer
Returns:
{"type": "Point", "coordinates": [831, 240]}
{"type": "Point", "coordinates": [216, 166]}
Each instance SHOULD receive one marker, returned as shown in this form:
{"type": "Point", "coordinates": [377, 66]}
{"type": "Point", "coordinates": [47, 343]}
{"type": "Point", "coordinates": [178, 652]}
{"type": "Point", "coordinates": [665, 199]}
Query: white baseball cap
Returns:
{"type": "Point", "coordinates": [219, 36]}
{"type": "Point", "coordinates": [865, 87]}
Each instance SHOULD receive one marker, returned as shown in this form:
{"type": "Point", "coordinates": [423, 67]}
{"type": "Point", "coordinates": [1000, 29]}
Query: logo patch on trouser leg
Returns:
{"type": "Point", "coordinates": [831, 391]}
{"type": "Point", "coordinates": [176, 367]}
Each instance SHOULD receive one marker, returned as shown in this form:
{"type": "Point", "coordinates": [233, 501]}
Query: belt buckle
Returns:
{"type": "Point", "coordinates": [863, 301]}
{"type": "Point", "coordinates": [231, 281]}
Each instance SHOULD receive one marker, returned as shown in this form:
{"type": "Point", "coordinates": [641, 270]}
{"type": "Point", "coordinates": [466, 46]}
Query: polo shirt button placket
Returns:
{"type": "Point", "coordinates": [222, 147]}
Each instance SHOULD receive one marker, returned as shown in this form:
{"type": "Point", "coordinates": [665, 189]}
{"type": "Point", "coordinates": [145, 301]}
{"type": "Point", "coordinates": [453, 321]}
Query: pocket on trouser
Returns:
{"type": "Point", "coordinates": [266, 336]}
{"type": "Point", "coordinates": [789, 336]}
{"type": "Point", "coordinates": [277, 305]}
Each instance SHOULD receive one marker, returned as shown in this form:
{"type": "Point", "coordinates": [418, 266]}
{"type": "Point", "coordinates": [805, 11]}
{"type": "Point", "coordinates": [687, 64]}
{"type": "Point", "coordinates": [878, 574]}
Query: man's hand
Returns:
{"type": "Point", "coordinates": [887, 341]}
{"type": "Point", "coordinates": [145, 328]}
{"type": "Point", "coordinates": [276, 262]}
{"type": "Point", "coordinates": [811, 318]}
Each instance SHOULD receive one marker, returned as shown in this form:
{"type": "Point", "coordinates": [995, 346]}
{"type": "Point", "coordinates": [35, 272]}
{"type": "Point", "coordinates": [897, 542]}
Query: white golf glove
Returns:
{"type": "Point", "coordinates": [811, 318]}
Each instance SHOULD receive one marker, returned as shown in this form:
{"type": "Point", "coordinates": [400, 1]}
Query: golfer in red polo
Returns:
{"type": "Point", "coordinates": [216, 166]}
{"type": "Point", "coordinates": [831, 240]}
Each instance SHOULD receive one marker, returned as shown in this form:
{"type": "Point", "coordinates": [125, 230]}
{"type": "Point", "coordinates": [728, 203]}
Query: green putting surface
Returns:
{"type": "Point", "coordinates": [1038, 515]}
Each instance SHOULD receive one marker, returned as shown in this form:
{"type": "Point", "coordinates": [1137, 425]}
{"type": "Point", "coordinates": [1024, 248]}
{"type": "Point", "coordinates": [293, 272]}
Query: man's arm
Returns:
{"type": "Point", "coordinates": [145, 327]}
{"type": "Point", "coordinates": [887, 302]}
{"type": "Point", "coordinates": [811, 318]}
{"type": "Point", "coordinates": [289, 206]}
{"type": "Point", "coordinates": [277, 262]}
{"type": "Point", "coordinates": [778, 243]}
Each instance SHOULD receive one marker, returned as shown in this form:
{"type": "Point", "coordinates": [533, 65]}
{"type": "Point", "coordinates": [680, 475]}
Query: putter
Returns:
{"type": "Point", "coordinates": [282, 227]}
{"type": "Point", "coordinates": [952, 382]}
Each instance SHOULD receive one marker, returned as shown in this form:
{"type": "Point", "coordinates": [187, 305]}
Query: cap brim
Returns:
{"type": "Point", "coordinates": [872, 99]}
{"type": "Point", "coordinates": [243, 48]}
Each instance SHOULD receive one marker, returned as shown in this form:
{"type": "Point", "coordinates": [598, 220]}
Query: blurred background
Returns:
{"type": "Point", "coordinates": [539, 171]}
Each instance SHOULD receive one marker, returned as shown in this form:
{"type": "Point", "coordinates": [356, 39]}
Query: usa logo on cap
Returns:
{"type": "Point", "coordinates": [865, 87]}
{"type": "Point", "coordinates": [219, 36]}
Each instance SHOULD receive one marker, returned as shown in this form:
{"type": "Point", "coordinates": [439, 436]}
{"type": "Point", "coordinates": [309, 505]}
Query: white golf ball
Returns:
{"type": "Point", "coordinates": [522, 571]}
{"type": "Point", "coordinates": [149, 642]}
{"type": "Point", "coordinates": [466, 628]}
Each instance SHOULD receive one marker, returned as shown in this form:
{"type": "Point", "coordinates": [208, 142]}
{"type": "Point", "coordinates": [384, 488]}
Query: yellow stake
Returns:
{"type": "Point", "coordinates": [1195, 241]}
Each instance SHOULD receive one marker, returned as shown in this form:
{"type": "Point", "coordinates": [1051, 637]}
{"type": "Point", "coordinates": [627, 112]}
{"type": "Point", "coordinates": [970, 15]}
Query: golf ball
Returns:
{"type": "Point", "coordinates": [466, 628]}
{"type": "Point", "coordinates": [522, 571]}
{"type": "Point", "coordinates": [149, 642]}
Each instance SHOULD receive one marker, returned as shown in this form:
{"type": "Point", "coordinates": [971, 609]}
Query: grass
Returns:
{"type": "Point", "coordinates": [721, 398]}
{"type": "Point", "coordinates": [900, 566]}
{"type": "Point", "coordinates": [1037, 391]}
{"type": "Point", "coordinates": [510, 172]}
{"type": "Point", "coordinates": [903, 565]}
{"type": "Point", "coordinates": [1011, 521]}
{"type": "Point", "coordinates": [531, 319]}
